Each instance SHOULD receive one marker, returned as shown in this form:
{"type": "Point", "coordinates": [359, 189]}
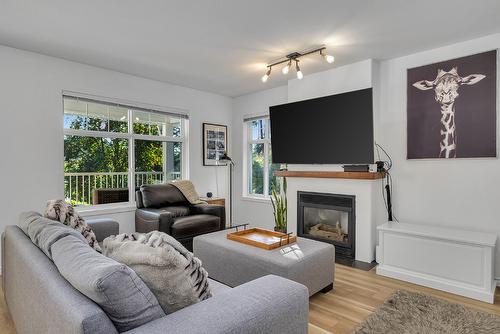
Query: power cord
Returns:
{"type": "Point", "coordinates": [387, 188]}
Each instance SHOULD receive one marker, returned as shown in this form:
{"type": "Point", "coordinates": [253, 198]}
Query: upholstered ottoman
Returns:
{"type": "Point", "coordinates": [308, 262]}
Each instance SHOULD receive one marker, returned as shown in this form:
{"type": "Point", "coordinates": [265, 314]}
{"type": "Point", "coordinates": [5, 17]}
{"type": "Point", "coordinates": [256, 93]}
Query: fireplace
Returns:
{"type": "Point", "coordinates": [328, 218]}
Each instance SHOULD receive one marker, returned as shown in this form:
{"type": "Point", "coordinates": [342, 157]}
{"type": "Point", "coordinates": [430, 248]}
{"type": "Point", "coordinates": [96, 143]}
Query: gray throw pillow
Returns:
{"type": "Point", "coordinates": [44, 232]}
{"type": "Point", "coordinates": [172, 273]}
{"type": "Point", "coordinates": [113, 286]}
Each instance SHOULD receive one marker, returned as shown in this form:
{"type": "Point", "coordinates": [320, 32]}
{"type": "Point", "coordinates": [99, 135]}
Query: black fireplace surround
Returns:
{"type": "Point", "coordinates": [328, 218]}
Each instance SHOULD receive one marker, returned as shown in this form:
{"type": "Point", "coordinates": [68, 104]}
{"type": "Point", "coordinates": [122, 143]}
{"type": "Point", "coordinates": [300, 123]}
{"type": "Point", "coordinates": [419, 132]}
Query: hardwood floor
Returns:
{"type": "Point", "coordinates": [356, 295]}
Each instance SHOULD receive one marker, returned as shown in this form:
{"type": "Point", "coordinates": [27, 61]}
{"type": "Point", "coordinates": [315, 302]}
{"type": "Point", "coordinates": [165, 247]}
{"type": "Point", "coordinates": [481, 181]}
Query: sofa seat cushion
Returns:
{"type": "Point", "coordinates": [172, 273]}
{"type": "Point", "coordinates": [160, 195]}
{"type": "Point", "coordinates": [116, 288]}
{"type": "Point", "coordinates": [194, 225]}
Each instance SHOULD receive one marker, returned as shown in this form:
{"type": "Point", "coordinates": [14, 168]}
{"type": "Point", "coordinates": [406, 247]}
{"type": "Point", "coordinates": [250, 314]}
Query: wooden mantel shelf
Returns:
{"type": "Point", "coordinates": [331, 175]}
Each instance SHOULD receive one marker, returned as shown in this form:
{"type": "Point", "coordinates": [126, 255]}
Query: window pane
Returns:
{"type": "Point", "coordinates": [97, 117]}
{"type": "Point", "coordinates": [273, 180]}
{"type": "Point", "coordinates": [156, 124]}
{"type": "Point", "coordinates": [118, 119]}
{"type": "Point", "coordinates": [95, 170]}
{"type": "Point", "coordinates": [258, 129]}
{"type": "Point", "coordinates": [157, 161]}
{"type": "Point", "coordinates": [256, 184]}
{"type": "Point", "coordinates": [92, 116]}
{"type": "Point", "coordinates": [75, 114]}
{"type": "Point", "coordinates": [141, 122]}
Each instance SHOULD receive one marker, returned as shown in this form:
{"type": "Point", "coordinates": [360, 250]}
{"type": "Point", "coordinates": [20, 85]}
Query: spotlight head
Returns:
{"type": "Point", "coordinates": [299, 72]}
{"type": "Point", "coordinates": [329, 58]}
{"type": "Point", "coordinates": [266, 76]}
{"type": "Point", "coordinates": [286, 69]}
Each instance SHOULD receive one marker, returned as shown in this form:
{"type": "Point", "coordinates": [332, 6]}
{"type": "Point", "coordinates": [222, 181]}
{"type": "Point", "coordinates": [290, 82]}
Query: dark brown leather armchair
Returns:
{"type": "Point", "coordinates": [164, 208]}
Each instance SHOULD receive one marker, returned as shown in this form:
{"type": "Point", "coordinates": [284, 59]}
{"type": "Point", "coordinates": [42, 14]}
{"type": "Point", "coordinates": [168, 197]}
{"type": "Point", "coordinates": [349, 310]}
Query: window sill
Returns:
{"type": "Point", "coordinates": [256, 199]}
{"type": "Point", "coordinates": [97, 210]}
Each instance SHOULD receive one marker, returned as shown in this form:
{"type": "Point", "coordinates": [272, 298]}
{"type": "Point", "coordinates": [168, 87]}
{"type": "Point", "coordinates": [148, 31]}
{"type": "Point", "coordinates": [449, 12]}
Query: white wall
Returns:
{"type": "Point", "coordinates": [461, 193]}
{"type": "Point", "coordinates": [31, 128]}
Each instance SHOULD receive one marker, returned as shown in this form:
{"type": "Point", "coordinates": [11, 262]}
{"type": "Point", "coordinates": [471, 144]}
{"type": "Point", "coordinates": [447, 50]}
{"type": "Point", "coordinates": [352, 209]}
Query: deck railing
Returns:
{"type": "Point", "coordinates": [79, 187]}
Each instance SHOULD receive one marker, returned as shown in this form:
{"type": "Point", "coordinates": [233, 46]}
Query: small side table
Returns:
{"type": "Point", "coordinates": [214, 200]}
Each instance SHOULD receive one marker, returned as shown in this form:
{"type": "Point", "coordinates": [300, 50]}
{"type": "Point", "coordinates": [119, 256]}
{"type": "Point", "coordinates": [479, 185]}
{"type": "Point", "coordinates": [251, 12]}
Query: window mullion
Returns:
{"type": "Point", "coordinates": [131, 158]}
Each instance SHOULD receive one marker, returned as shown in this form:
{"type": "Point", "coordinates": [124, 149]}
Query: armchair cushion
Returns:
{"type": "Point", "coordinates": [178, 211]}
{"type": "Point", "coordinates": [211, 209]}
{"type": "Point", "coordinates": [184, 227]}
{"type": "Point", "coordinates": [160, 195]}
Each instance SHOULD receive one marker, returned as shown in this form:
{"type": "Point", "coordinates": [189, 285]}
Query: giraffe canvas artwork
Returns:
{"type": "Point", "coordinates": [451, 111]}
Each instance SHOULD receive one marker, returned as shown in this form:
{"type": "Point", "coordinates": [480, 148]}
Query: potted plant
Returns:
{"type": "Point", "coordinates": [280, 206]}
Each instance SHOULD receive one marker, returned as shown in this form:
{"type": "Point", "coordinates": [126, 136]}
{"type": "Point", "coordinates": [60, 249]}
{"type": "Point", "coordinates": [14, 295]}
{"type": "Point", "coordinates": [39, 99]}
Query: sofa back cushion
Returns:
{"type": "Point", "coordinates": [45, 232]}
{"type": "Point", "coordinates": [40, 300]}
{"type": "Point", "coordinates": [113, 286]}
{"type": "Point", "coordinates": [160, 195]}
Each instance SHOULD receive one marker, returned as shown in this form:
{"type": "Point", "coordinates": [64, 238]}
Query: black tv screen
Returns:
{"type": "Point", "coordinates": [336, 129]}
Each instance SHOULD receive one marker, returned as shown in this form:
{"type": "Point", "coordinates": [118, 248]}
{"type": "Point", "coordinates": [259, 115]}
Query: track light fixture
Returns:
{"type": "Point", "coordinates": [294, 56]}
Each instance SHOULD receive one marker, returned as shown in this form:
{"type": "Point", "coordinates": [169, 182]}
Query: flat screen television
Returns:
{"type": "Point", "coordinates": [336, 129]}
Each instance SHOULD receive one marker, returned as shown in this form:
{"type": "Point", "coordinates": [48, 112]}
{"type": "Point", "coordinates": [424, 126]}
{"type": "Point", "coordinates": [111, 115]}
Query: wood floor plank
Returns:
{"type": "Point", "coordinates": [356, 295]}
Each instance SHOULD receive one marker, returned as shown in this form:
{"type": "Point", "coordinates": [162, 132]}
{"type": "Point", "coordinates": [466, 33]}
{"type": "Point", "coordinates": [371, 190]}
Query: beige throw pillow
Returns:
{"type": "Point", "coordinates": [170, 271]}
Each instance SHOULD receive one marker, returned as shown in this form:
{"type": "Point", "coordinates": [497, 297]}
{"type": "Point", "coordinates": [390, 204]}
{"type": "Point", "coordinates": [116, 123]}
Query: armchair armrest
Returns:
{"type": "Point", "coordinates": [147, 220]}
{"type": "Point", "coordinates": [269, 304]}
{"type": "Point", "coordinates": [103, 227]}
{"type": "Point", "coordinates": [211, 209]}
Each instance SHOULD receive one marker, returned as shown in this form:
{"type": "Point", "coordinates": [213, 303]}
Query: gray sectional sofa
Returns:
{"type": "Point", "coordinates": [40, 300]}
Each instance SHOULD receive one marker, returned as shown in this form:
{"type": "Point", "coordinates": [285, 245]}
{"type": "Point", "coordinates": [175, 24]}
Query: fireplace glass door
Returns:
{"type": "Point", "coordinates": [328, 218]}
{"type": "Point", "coordinates": [327, 224]}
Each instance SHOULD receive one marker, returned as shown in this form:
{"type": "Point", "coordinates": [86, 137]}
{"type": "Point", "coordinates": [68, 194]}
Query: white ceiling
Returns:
{"type": "Point", "coordinates": [223, 46]}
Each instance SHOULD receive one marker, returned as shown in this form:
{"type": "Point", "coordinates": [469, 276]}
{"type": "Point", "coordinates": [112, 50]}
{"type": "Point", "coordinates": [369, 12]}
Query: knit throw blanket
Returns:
{"type": "Point", "coordinates": [186, 187]}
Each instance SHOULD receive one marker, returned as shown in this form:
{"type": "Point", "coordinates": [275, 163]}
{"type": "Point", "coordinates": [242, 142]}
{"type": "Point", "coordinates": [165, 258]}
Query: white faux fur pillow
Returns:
{"type": "Point", "coordinates": [170, 271]}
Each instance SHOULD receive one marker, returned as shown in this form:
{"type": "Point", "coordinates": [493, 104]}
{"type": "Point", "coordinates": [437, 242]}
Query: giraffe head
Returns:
{"type": "Point", "coordinates": [446, 85]}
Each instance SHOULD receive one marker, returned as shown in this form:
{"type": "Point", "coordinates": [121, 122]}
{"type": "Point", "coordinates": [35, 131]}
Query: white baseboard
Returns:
{"type": "Point", "coordinates": [439, 283]}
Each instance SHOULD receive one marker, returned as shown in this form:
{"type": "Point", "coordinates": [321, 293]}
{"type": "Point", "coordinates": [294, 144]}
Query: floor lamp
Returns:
{"type": "Point", "coordinates": [225, 158]}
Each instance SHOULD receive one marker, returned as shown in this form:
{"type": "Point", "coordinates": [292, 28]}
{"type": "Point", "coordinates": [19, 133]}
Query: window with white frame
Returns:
{"type": "Point", "coordinates": [260, 168]}
{"type": "Point", "coordinates": [112, 148]}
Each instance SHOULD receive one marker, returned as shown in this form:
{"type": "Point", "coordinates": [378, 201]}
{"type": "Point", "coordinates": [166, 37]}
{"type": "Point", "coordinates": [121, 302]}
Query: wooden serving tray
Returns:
{"type": "Point", "coordinates": [262, 238]}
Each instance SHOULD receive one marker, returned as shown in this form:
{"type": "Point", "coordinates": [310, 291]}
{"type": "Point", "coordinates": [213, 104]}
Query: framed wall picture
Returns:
{"type": "Point", "coordinates": [214, 143]}
{"type": "Point", "coordinates": [451, 108]}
